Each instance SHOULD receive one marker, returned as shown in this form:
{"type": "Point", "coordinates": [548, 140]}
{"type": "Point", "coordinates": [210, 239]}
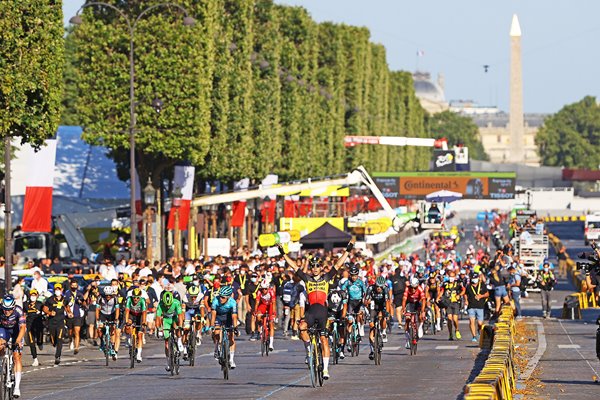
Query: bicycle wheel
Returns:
{"type": "Point", "coordinates": [335, 345]}
{"type": "Point", "coordinates": [312, 371]}
{"type": "Point", "coordinates": [132, 349]}
{"type": "Point", "coordinates": [413, 339]}
{"type": "Point", "coordinates": [376, 343]}
{"type": "Point", "coordinates": [3, 380]}
{"type": "Point", "coordinates": [191, 345]}
{"type": "Point", "coordinates": [225, 356]}
{"type": "Point", "coordinates": [171, 344]}
{"type": "Point", "coordinates": [107, 348]}
{"type": "Point", "coordinates": [319, 360]}
{"type": "Point", "coordinates": [356, 341]}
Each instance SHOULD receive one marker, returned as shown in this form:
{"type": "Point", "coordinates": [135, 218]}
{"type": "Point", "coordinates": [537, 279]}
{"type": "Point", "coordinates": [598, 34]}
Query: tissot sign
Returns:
{"type": "Point", "coordinates": [471, 185]}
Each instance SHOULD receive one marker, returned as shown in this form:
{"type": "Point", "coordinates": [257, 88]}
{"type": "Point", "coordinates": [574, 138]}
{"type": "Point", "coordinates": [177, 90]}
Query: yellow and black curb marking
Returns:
{"type": "Point", "coordinates": [497, 378]}
{"type": "Point", "coordinates": [567, 218]}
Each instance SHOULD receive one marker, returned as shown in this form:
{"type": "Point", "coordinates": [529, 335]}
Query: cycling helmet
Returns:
{"type": "Point", "coordinates": [137, 292]}
{"type": "Point", "coordinates": [193, 291]}
{"type": "Point", "coordinates": [225, 291]}
{"type": "Point", "coordinates": [380, 281]}
{"type": "Point", "coordinates": [167, 298]}
{"type": "Point", "coordinates": [315, 261]}
{"type": "Point", "coordinates": [414, 282]}
{"type": "Point", "coordinates": [108, 290]}
{"type": "Point", "coordinates": [354, 270]}
{"type": "Point", "coordinates": [176, 295]}
{"type": "Point", "coordinates": [264, 284]}
{"type": "Point", "coordinates": [8, 302]}
{"type": "Point", "coordinates": [420, 270]}
{"type": "Point", "coordinates": [33, 292]}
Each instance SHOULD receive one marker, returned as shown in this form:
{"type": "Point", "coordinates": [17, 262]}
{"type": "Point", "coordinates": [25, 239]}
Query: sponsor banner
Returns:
{"type": "Point", "coordinates": [308, 225]}
{"type": "Point", "coordinates": [444, 160]}
{"type": "Point", "coordinates": [472, 185]}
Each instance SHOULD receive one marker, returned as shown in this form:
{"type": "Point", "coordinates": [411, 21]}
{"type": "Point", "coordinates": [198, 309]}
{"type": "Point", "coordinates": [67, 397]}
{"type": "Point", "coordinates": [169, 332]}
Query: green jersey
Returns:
{"type": "Point", "coordinates": [169, 312]}
{"type": "Point", "coordinates": [135, 309]}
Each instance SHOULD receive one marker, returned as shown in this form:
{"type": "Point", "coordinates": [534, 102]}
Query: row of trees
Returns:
{"type": "Point", "coordinates": [252, 88]}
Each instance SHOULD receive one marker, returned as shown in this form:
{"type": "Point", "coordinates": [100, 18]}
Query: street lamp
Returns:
{"type": "Point", "coordinates": [187, 21]}
{"type": "Point", "coordinates": [149, 200]}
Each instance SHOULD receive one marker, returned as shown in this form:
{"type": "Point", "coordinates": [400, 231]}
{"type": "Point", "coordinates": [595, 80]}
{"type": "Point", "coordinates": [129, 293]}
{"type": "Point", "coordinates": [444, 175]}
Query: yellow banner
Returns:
{"type": "Point", "coordinates": [308, 225]}
{"type": "Point", "coordinates": [329, 191]}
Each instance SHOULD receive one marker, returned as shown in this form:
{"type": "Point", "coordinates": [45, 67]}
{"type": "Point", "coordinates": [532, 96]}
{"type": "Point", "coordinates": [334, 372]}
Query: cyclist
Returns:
{"type": "Point", "coordinates": [317, 288]}
{"type": "Point", "coordinates": [413, 304]}
{"type": "Point", "coordinates": [224, 313]}
{"type": "Point", "coordinates": [13, 326]}
{"type": "Point", "coordinates": [135, 314]}
{"type": "Point", "coordinates": [265, 305]}
{"type": "Point", "coordinates": [107, 310]}
{"type": "Point", "coordinates": [431, 293]}
{"type": "Point", "coordinates": [378, 302]}
{"type": "Point", "coordinates": [356, 290]}
{"type": "Point", "coordinates": [169, 314]}
{"type": "Point", "coordinates": [192, 303]}
{"type": "Point", "coordinates": [337, 307]}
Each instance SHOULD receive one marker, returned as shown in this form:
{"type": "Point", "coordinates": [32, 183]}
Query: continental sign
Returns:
{"type": "Point", "coordinates": [472, 185]}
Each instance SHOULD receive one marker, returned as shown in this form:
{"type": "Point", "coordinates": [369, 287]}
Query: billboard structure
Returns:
{"type": "Point", "coordinates": [472, 185]}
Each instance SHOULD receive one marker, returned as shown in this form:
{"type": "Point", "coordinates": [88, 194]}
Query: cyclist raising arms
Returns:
{"type": "Point", "coordinates": [317, 289]}
{"type": "Point", "coordinates": [413, 304]}
{"type": "Point", "coordinates": [13, 325]}
{"type": "Point", "coordinates": [377, 300]}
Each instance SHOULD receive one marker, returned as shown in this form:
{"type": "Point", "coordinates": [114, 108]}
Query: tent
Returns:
{"type": "Point", "coordinates": [326, 236]}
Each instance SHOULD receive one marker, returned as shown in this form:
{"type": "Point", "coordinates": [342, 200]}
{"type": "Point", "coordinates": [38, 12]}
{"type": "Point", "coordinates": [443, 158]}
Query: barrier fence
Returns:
{"type": "Point", "coordinates": [584, 295]}
{"type": "Point", "coordinates": [497, 378]}
{"type": "Point", "coordinates": [566, 218]}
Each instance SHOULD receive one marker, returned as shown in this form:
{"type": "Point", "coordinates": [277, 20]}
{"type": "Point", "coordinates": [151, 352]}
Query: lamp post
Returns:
{"type": "Point", "coordinates": [150, 201]}
{"type": "Point", "coordinates": [187, 21]}
{"type": "Point", "coordinates": [177, 195]}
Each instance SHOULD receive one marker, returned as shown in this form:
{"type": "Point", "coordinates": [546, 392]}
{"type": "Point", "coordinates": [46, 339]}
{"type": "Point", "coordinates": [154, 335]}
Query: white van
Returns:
{"type": "Point", "coordinates": [592, 228]}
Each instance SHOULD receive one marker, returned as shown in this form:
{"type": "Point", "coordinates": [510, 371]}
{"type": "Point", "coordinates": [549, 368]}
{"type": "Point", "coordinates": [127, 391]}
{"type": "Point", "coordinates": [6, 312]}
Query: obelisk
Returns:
{"type": "Point", "coordinates": [516, 95]}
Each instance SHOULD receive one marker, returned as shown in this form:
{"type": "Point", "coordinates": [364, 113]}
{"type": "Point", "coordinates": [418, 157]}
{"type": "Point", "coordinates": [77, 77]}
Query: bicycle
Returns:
{"type": "Point", "coordinates": [334, 338]}
{"type": "Point", "coordinates": [173, 353]}
{"type": "Point", "coordinates": [413, 336]}
{"type": "Point", "coordinates": [377, 341]}
{"type": "Point", "coordinates": [133, 344]}
{"type": "Point", "coordinates": [353, 338]}
{"type": "Point", "coordinates": [7, 379]}
{"type": "Point", "coordinates": [430, 323]}
{"type": "Point", "coordinates": [106, 344]}
{"type": "Point", "coordinates": [192, 341]}
{"type": "Point", "coordinates": [265, 335]}
{"type": "Point", "coordinates": [315, 356]}
{"type": "Point", "coordinates": [223, 351]}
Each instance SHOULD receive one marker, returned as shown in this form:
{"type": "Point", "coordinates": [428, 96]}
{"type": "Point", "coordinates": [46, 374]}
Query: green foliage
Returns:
{"type": "Point", "coordinates": [253, 88]}
{"type": "Point", "coordinates": [570, 138]}
{"type": "Point", "coordinates": [458, 129]}
{"type": "Point", "coordinates": [31, 61]}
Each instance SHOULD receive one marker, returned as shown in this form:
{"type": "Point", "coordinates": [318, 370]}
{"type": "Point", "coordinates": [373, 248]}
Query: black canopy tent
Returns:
{"type": "Point", "coordinates": [326, 236]}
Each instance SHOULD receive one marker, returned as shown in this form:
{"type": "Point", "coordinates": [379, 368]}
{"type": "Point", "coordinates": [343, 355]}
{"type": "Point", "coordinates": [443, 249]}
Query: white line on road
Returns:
{"type": "Point", "coordinates": [393, 348]}
{"type": "Point", "coordinates": [568, 346]}
{"type": "Point", "coordinates": [446, 347]}
{"type": "Point", "coordinates": [577, 350]}
{"type": "Point", "coordinates": [533, 362]}
{"type": "Point", "coordinates": [272, 392]}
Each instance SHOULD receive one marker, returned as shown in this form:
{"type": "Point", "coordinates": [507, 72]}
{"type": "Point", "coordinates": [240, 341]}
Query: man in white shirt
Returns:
{"type": "Point", "coordinates": [122, 266]}
{"type": "Point", "coordinates": [145, 271]}
{"type": "Point", "coordinates": [108, 271]}
{"type": "Point", "coordinates": [38, 283]}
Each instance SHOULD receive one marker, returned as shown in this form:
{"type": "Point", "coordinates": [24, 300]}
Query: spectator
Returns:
{"type": "Point", "coordinates": [145, 271]}
{"type": "Point", "coordinates": [108, 270]}
{"type": "Point", "coordinates": [18, 292]}
{"type": "Point", "coordinates": [477, 294]}
{"type": "Point", "coordinates": [562, 261]}
{"type": "Point", "coordinates": [515, 288]}
{"type": "Point", "coordinates": [74, 299]}
{"type": "Point", "coordinates": [56, 267]}
{"type": "Point", "coordinates": [546, 282]}
{"type": "Point", "coordinates": [39, 283]}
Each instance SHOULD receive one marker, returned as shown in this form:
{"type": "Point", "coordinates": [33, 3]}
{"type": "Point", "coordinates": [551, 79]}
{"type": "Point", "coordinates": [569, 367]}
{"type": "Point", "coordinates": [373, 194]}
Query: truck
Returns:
{"type": "Point", "coordinates": [591, 228]}
{"type": "Point", "coordinates": [532, 249]}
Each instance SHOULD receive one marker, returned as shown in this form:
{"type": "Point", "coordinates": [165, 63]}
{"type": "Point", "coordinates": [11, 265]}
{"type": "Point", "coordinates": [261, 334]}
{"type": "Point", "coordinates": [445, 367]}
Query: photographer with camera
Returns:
{"type": "Point", "coordinates": [592, 270]}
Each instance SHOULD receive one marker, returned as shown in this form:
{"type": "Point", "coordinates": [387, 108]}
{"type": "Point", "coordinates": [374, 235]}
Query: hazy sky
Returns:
{"type": "Point", "coordinates": [560, 52]}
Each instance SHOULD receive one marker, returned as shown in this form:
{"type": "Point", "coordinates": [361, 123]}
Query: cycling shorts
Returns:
{"type": "Point", "coordinates": [7, 333]}
{"type": "Point", "coordinates": [354, 306]}
{"type": "Point", "coordinates": [453, 309]}
{"type": "Point", "coordinates": [225, 320]}
{"type": "Point", "coordinates": [412, 308]}
{"type": "Point", "coordinates": [166, 326]}
{"type": "Point", "coordinates": [105, 318]}
{"type": "Point", "coordinates": [263, 309]}
{"type": "Point", "coordinates": [316, 314]}
{"type": "Point", "coordinates": [135, 319]}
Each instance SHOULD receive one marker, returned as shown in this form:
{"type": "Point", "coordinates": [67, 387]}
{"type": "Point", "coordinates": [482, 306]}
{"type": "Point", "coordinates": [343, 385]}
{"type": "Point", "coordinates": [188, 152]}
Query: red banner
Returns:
{"type": "Point", "coordinates": [184, 214]}
{"type": "Point", "coordinates": [238, 213]}
{"type": "Point", "coordinates": [37, 211]}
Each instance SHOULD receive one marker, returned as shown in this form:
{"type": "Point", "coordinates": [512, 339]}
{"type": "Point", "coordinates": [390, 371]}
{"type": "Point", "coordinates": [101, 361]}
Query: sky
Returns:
{"type": "Point", "coordinates": [457, 38]}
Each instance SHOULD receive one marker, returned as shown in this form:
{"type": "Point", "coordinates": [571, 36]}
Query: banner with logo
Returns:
{"type": "Point", "coordinates": [472, 185]}
{"type": "Point", "coordinates": [444, 160]}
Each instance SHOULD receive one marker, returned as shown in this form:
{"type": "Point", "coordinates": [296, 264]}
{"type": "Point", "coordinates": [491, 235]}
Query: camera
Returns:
{"type": "Point", "coordinates": [592, 264]}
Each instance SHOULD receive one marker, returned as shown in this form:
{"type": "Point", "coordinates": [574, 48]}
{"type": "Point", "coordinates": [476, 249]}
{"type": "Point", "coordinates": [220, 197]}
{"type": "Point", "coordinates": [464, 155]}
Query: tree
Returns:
{"type": "Point", "coordinates": [458, 129]}
{"type": "Point", "coordinates": [570, 138]}
{"type": "Point", "coordinates": [31, 61]}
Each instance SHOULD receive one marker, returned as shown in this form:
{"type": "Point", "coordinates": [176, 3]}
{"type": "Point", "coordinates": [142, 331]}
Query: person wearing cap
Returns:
{"type": "Point", "coordinates": [35, 325]}
{"type": "Point", "coordinates": [546, 282]}
{"type": "Point", "coordinates": [74, 298]}
{"type": "Point", "coordinates": [476, 295]}
{"type": "Point", "coordinates": [57, 310]}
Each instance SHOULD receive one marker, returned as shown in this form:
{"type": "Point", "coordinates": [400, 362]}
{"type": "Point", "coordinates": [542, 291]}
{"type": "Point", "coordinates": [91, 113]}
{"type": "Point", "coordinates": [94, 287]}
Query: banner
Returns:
{"type": "Point", "coordinates": [238, 208]}
{"type": "Point", "coordinates": [472, 185]}
{"type": "Point", "coordinates": [444, 160]}
{"type": "Point", "coordinates": [37, 210]}
{"type": "Point", "coordinates": [183, 179]}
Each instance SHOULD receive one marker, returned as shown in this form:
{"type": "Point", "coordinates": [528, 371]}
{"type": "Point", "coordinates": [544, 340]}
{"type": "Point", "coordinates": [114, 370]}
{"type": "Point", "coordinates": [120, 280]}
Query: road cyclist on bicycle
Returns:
{"type": "Point", "coordinates": [135, 315]}
{"type": "Point", "coordinates": [265, 306]}
{"type": "Point", "coordinates": [224, 314]}
{"type": "Point", "coordinates": [13, 325]}
{"type": "Point", "coordinates": [169, 314]}
{"type": "Point", "coordinates": [356, 290]}
{"type": "Point", "coordinates": [377, 301]}
{"type": "Point", "coordinates": [337, 308]}
{"type": "Point", "coordinates": [413, 304]}
{"type": "Point", "coordinates": [107, 311]}
{"type": "Point", "coordinates": [192, 303]}
{"type": "Point", "coordinates": [317, 289]}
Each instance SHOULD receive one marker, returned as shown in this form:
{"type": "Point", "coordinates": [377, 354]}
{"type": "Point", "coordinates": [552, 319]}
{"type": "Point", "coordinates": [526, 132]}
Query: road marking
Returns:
{"type": "Point", "coordinates": [272, 392]}
{"type": "Point", "coordinates": [577, 350]}
{"type": "Point", "coordinates": [446, 347]}
{"type": "Point", "coordinates": [568, 346]}
{"type": "Point", "coordinates": [393, 348]}
{"type": "Point", "coordinates": [533, 362]}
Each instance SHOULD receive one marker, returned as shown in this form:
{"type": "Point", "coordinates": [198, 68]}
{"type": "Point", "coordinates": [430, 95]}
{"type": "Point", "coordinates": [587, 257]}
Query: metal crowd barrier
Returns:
{"type": "Point", "coordinates": [496, 381]}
